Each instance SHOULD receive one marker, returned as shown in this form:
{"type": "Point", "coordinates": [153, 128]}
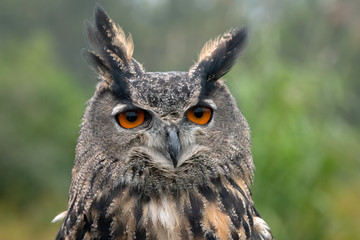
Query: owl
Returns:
{"type": "Point", "coordinates": [161, 155]}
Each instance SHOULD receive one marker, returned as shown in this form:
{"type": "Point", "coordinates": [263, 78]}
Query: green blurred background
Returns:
{"type": "Point", "coordinates": [297, 83]}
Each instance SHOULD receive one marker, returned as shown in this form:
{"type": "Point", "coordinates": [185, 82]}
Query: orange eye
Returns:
{"type": "Point", "coordinates": [199, 115]}
{"type": "Point", "coordinates": [131, 118]}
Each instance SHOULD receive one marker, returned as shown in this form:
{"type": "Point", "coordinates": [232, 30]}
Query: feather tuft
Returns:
{"type": "Point", "coordinates": [59, 217]}
{"type": "Point", "coordinates": [218, 56]}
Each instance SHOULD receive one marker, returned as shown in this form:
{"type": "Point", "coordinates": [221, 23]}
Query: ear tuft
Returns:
{"type": "Point", "coordinates": [218, 56]}
{"type": "Point", "coordinates": [113, 36]}
{"type": "Point", "coordinates": [111, 53]}
{"type": "Point", "coordinates": [208, 48]}
{"type": "Point", "coordinates": [108, 41]}
{"type": "Point", "coordinates": [96, 62]}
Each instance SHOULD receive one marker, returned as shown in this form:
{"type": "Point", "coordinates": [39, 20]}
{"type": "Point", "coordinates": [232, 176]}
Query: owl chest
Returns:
{"type": "Point", "coordinates": [220, 211]}
{"type": "Point", "coordinates": [217, 212]}
{"type": "Point", "coordinates": [160, 218]}
{"type": "Point", "coordinates": [184, 217]}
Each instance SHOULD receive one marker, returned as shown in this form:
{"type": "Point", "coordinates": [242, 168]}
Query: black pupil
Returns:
{"type": "Point", "coordinates": [198, 112]}
{"type": "Point", "coordinates": [131, 116]}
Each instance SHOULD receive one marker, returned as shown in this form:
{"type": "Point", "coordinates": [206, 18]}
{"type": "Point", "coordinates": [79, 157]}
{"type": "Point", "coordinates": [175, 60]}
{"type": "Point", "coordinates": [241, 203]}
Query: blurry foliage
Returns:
{"type": "Point", "coordinates": [297, 83]}
{"type": "Point", "coordinates": [40, 106]}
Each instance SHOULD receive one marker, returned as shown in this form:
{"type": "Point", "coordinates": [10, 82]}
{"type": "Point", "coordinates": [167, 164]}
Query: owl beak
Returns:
{"type": "Point", "coordinates": [173, 144]}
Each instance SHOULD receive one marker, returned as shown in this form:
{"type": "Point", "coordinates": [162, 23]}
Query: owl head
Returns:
{"type": "Point", "coordinates": [159, 131]}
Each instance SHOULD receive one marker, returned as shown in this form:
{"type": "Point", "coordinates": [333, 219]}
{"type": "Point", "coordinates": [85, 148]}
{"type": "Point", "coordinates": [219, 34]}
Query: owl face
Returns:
{"type": "Point", "coordinates": [161, 131]}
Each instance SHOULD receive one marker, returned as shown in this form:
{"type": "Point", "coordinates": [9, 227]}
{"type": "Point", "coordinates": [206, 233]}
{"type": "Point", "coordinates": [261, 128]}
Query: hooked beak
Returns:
{"type": "Point", "coordinates": [173, 144]}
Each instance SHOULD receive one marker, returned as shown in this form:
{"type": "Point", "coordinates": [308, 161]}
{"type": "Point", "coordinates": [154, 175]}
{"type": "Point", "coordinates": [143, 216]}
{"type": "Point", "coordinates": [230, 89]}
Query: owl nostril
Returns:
{"type": "Point", "coordinates": [173, 143]}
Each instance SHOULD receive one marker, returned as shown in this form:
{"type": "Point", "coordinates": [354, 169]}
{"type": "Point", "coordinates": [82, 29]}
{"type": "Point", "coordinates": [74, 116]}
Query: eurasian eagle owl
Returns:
{"type": "Point", "coordinates": [161, 155]}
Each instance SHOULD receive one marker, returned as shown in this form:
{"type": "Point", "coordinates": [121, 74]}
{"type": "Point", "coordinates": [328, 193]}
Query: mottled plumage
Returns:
{"type": "Point", "coordinates": [169, 177]}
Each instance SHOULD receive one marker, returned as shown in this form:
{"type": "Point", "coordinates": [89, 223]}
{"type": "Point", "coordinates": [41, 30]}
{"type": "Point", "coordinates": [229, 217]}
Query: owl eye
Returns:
{"type": "Point", "coordinates": [131, 118]}
{"type": "Point", "coordinates": [199, 115]}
